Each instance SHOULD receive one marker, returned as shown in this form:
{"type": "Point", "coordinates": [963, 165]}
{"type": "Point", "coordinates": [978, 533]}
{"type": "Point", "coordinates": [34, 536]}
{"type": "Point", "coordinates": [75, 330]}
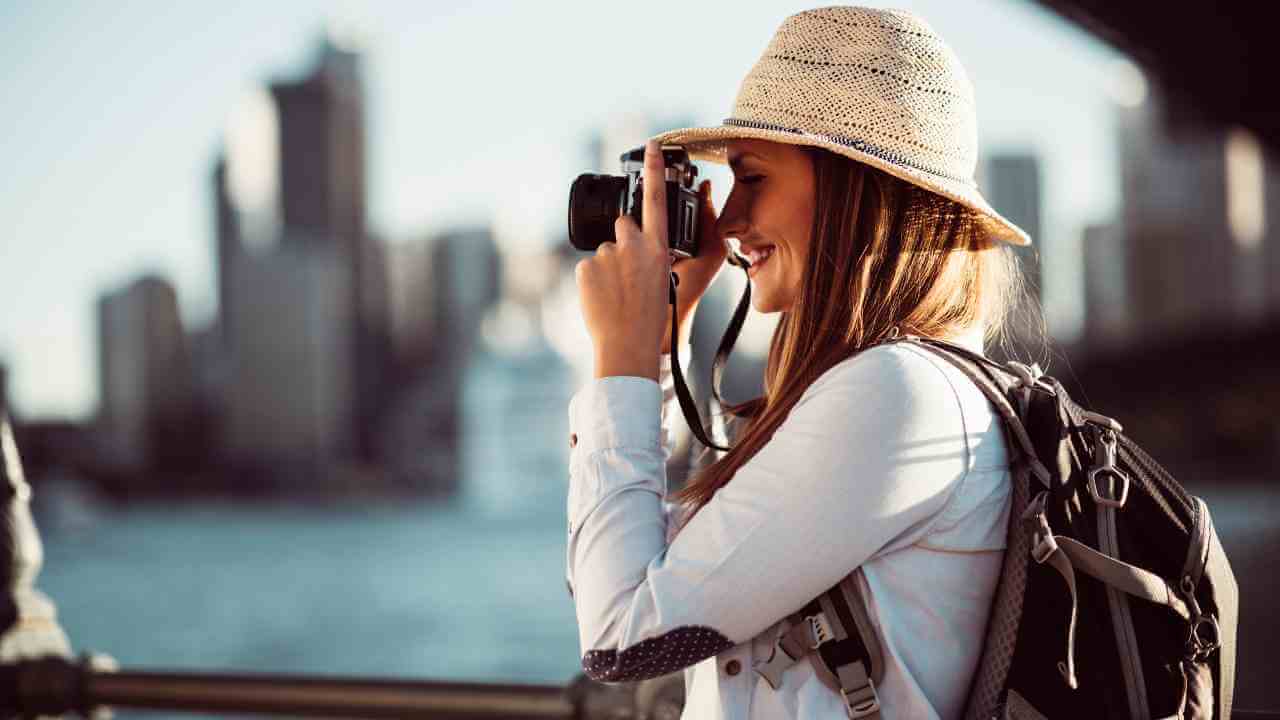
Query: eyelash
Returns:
{"type": "Point", "coordinates": [750, 179]}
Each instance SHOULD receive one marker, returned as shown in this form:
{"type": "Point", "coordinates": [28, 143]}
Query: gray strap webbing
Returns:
{"type": "Point", "coordinates": [858, 692]}
{"type": "Point", "coordinates": [1122, 576]}
{"type": "Point", "coordinates": [833, 618]}
{"type": "Point", "coordinates": [1045, 548]}
{"type": "Point", "coordinates": [1002, 405]}
{"type": "Point", "coordinates": [1062, 564]}
{"type": "Point", "coordinates": [857, 603]}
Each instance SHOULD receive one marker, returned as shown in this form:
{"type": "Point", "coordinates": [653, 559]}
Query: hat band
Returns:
{"type": "Point", "coordinates": [859, 145]}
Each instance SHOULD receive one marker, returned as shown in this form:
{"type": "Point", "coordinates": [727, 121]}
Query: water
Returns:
{"type": "Point", "coordinates": [473, 589]}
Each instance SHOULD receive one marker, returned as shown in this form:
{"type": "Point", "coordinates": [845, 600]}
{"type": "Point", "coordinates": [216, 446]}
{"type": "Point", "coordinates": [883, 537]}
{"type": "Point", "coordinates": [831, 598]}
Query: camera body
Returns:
{"type": "Point", "coordinates": [596, 201]}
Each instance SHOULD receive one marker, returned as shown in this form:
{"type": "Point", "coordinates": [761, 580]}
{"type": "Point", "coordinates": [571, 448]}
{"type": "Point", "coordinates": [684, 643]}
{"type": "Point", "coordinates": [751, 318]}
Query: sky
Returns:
{"type": "Point", "coordinates": [113, 114]}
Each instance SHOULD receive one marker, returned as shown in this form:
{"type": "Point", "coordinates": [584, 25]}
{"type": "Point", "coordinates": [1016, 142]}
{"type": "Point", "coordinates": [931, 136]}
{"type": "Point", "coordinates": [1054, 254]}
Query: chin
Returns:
{"type": "Point", "coordinates": [764, 303]}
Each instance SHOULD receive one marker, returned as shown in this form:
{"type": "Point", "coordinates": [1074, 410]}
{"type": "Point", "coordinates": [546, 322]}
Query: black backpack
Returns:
{"type": "Point", "coordinates": [1115, 599]}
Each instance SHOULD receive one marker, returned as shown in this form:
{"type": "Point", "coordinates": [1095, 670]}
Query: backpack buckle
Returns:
{"type": "Point", "coordinates": [820, 628]}
{"type": "Point", "coordinates": [771, 670]}
{"type": "Point", "coordinates": [1043, 546]}
{"type": "Point", "coordinates": [1104, 463]}
{"type": "Point", "coordinates": [862, 702]}
{"type": "Point", "coordinates": [1203, 638]}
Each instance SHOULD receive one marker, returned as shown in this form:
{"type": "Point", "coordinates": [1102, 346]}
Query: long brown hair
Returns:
{"type": "Point", "coordinates": [885, 257]}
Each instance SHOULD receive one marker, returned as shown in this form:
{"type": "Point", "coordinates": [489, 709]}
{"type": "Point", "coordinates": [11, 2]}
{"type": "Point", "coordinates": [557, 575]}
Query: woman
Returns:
{"type": "Point", "coordinates": [853, 148]}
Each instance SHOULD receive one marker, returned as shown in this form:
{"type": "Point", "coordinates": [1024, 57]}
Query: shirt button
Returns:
{"type": "Point", "coordinates": [573, 440]}
{"type": "Point", "coordinates": [733, 667]}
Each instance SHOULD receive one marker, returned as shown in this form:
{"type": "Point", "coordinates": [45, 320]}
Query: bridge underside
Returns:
{"type": "Point", "coordinates": [1215, 61]}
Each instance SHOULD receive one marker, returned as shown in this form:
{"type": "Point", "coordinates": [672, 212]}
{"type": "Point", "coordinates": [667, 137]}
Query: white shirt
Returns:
{"type": "Point", "coordinates": [892, 464]}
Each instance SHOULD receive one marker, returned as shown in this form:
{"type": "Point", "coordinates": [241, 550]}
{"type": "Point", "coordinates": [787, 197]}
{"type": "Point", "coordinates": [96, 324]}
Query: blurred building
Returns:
{"type": "Point", "coordinates": [1105, 287]}
{"type": "Point", "coordinates": [467, 280]}
{"type": "Point", "coordinates": [440, 291]}
{"type": "Point", "coordinates": [291, 399]}
{"type": "Point", "coordinates": [1193, 223]}
{"type": "Point", "coordinates": [228, 244]}
{"type": "Point", "coordinates": [145, 381]}
{"type": "Point", "coordinates": [1011, 182]}
{"type": "Point", "coordinates": [411, 301]}
{"type": "Point", "coordinates": [303, 315]}
{"type": "Point", "coordinates": [322, 189]}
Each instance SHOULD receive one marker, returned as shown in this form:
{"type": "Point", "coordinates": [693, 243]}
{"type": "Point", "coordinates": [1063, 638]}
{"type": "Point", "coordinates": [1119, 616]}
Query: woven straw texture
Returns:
{"type": "Point", "coordinates": [878, 86]}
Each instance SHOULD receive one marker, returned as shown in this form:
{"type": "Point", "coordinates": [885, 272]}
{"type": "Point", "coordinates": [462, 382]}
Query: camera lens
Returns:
{"type": "Point", "coordinates": [595, 202]}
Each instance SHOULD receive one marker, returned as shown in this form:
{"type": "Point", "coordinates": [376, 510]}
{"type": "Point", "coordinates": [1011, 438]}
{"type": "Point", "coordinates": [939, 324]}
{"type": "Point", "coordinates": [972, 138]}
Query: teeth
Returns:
{"type": "Point", "coordinates": [755, 256]}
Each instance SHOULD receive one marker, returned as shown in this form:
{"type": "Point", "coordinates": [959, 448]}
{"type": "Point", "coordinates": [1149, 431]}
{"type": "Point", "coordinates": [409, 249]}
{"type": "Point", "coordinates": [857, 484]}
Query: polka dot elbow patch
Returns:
{"type": "Point", "coordinates": [667, 653]}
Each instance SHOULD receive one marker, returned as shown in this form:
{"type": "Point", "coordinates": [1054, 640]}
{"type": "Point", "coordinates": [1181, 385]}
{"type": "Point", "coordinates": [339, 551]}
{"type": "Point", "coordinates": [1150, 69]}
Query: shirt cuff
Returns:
{"type": "Point", "coordinates": [616, 412]}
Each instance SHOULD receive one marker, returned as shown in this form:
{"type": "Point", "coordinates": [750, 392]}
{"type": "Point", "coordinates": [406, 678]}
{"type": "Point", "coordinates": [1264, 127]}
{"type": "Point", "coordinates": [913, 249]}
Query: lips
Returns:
{"type": "Point", "coordinates": [757, 256]}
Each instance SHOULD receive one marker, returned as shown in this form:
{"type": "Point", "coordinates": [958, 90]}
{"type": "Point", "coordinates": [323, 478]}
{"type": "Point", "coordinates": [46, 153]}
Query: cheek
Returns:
{"type": "Point", "coordinates": [799, 223]}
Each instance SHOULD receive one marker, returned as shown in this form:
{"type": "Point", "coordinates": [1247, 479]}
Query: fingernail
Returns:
{"type": "Point", "coordinates": [651, 147]}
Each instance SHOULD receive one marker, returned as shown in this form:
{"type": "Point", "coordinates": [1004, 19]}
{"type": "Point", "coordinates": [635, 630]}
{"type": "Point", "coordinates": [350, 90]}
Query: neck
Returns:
{"type": "Point", "coordinates": [970, 337]}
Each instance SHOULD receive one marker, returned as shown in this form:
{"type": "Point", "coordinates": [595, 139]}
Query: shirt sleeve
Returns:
{"type": "Point", "coordinates": [865, 461]}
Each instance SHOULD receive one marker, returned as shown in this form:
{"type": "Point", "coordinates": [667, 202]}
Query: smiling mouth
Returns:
{"type": "Point", "coordinates": [756, 257]}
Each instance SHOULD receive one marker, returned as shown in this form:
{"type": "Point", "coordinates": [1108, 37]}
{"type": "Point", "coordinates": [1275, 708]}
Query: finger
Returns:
{"type": "Point", "coordinates": [582, 271]}
{"type": "Point", "coordinates": [625, 230]}
{"type": "Point", "coordinates": [710, 244]}
{"type": "Point", "coordinates": [655, 194]}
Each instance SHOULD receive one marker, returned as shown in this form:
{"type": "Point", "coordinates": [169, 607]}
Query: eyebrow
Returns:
{"type": "Point", "coordinates": [736, 160]}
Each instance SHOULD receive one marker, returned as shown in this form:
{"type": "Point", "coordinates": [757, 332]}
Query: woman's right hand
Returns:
{"type": "Point", "coordinates": [697, 273]}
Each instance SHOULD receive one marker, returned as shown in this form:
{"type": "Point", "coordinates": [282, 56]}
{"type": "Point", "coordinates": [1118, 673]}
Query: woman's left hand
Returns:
{"type": "Point", "coordinates": [624, 287]}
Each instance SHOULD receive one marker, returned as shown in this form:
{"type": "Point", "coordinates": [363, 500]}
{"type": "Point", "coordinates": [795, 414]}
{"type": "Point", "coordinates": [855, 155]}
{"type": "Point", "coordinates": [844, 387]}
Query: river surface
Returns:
{"type": "Point", "coordinates": [468, 589]}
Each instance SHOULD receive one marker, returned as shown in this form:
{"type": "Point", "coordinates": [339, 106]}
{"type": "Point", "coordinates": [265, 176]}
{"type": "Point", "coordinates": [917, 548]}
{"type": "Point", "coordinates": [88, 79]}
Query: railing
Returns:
{"type": "Point", "coordinates": [57, 686]}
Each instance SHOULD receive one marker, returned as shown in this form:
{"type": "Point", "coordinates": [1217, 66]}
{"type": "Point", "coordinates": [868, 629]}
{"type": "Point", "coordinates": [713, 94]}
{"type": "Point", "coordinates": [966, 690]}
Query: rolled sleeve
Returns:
{"type": "Point", "coordinates": [616, 412]}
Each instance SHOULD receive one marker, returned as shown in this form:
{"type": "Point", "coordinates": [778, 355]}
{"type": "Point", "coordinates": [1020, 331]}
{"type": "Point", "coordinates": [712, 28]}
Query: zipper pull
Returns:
{"type": "Point", "coordinates": [1104, 464]}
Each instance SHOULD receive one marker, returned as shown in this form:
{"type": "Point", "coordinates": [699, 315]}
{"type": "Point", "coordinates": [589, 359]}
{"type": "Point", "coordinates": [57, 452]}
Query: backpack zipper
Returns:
{"type": "Point", "coordinates": [1121, 617]}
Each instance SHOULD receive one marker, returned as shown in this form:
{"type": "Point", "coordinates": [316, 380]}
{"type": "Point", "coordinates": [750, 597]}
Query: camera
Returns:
{"type": "Point", "coordinates": [596, 201]}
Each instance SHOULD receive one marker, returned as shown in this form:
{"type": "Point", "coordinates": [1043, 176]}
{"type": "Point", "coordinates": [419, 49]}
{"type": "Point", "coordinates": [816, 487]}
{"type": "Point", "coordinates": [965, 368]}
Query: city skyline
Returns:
{"type": "Point", "coordinates": [145, 208]}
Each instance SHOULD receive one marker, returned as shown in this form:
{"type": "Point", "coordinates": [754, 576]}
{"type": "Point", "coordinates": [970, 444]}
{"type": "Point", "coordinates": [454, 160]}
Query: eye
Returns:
{"type": "Point", "coordinates": [750, 179]}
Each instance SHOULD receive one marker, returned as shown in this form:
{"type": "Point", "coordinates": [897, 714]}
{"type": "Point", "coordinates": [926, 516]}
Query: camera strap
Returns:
{"type": "Point", "coordinates": [687, 404]}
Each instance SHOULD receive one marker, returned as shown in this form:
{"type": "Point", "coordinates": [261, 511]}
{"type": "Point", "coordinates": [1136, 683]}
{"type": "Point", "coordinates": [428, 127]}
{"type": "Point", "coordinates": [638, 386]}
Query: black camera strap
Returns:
{"type": "Point", "coordinates": [687, 404]}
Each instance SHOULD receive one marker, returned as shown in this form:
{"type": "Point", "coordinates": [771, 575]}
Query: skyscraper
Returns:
{"type": "Point", "coordinates": [322, 184]}
{"type": "Point", "coordinates": [1012, 186]}
{"type": "Point", "coordinates": [322, 151]}
{"type": "Point", "coordinates": [291, 399]}
{"type": "Point", "coordinates": [145, 379]}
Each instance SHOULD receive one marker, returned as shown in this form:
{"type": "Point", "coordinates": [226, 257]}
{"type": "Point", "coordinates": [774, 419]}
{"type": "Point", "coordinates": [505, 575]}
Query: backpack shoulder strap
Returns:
{"type": "Point", "coordinates": [996, 382]}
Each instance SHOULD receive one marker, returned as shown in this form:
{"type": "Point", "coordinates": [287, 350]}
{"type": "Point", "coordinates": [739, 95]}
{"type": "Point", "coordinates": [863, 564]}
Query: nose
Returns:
{"type": "Point", "coordinates": [733, 221]}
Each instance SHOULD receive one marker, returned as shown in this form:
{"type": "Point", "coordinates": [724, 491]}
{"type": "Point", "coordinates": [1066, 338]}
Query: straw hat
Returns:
{"type": "Point", "coordinates": [878, 86]}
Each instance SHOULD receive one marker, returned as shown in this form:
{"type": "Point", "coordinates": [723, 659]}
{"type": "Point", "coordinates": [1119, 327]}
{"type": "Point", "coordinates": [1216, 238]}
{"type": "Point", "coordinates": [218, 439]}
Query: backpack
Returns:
{"type": "Point", "coordinates": [1115, 599]}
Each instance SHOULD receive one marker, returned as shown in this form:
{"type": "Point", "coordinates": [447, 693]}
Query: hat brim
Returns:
{"type": "Point", "coordinates": [708, 143]}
